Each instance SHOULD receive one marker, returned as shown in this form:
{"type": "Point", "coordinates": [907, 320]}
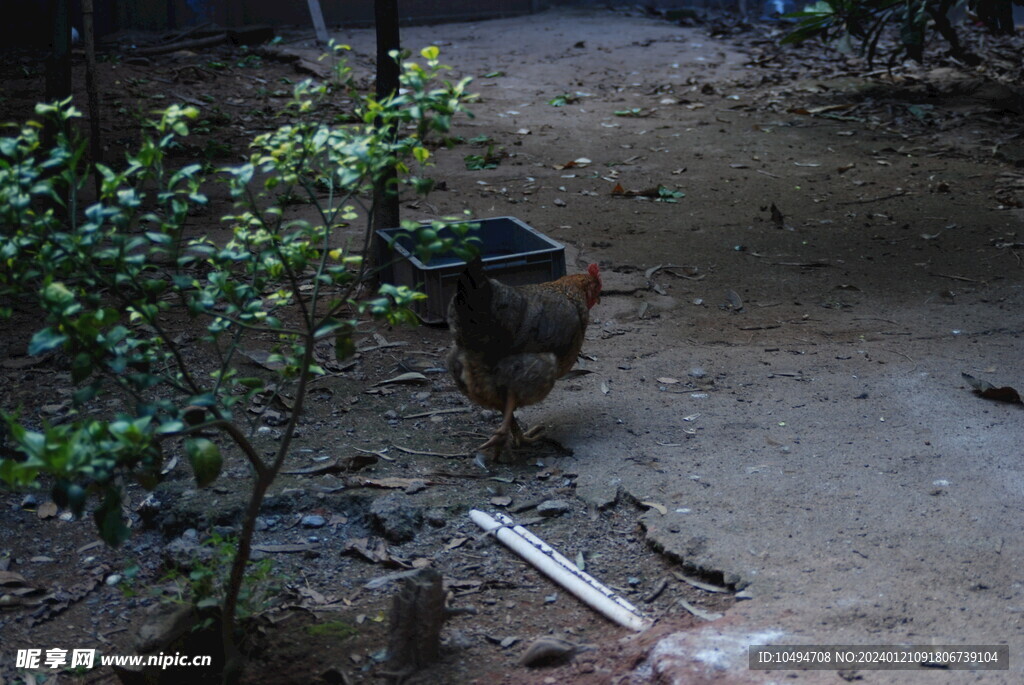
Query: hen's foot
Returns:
{"type": "Point", "coordinates": [500, 441]}
{"type": "Point", "coordinates": [520, 437]}
{"type": "Point", "coordinates": [497, 441]}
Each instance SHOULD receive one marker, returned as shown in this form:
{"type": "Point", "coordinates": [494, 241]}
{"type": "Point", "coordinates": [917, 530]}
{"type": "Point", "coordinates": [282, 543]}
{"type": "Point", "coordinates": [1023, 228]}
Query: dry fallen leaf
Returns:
{"type": "Point", "coordinates": [391, 483]}
{"type": "Point", "coordinates": [983, 388]}
{"type": "Point", "coordinates": [286, 548]}
{"type": "Point", "coordinates": [374, 550]}
{"type": "Point", "coordinates": [668, 380]}
{"type": "Point", "coordinates": [47, 510]}
{"type": "Point", "coordinates": [700, 613]}
{"type": "Point", "coordinates": [654, 505]}
{"type": "Point", "coordinates": [455, 543]}
{"type": "Point", "coordinates": [12, 579]}
{"type": "Point", "coordinates": [410, 377]}
{"type": "Point", "coordinates": [262, 358]}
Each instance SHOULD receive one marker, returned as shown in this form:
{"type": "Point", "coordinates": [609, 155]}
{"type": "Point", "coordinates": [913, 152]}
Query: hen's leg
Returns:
{"type": "Point", "coordinates": [508, 427]}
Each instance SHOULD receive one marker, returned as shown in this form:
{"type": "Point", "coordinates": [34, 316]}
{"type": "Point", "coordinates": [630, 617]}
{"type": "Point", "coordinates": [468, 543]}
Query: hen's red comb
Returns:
{"type": "Point", "coordinates": [593, 270]}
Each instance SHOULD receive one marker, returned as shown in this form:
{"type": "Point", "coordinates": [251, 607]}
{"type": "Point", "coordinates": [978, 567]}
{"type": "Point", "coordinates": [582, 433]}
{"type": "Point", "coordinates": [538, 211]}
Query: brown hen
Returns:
{"type": "Point", "coordinates": [511, 343]}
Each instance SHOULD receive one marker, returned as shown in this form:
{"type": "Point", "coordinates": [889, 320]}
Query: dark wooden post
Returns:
{"type": "Point", "coordinates": [58, 62]}
{"type": "Point", "coordinates": [385, 193]}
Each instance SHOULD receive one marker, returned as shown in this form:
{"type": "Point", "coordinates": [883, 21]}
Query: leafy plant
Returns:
{"type": "Point", "coordinates": [668, 195]}
{"type": "Point", "coordinates": [337, 630]}
{"type": "Point", "coordinates": [203, 584]}
{"type": "Point", "coordinates": [562, 100]}
{"type": "Point", "coordinates": [867, 21]}
{"type": "Point", "coordinates": [489, 160]}
{"type": "Point", "coordinates": [120, 280]}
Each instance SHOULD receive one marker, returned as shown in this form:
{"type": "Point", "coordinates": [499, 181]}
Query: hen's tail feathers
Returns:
{"type": "Point", "coordinates": [473, 289]}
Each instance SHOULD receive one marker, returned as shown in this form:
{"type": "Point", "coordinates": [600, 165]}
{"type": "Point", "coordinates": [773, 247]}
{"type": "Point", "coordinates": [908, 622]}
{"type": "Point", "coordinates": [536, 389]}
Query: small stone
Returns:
{"type": "Point", "coordinates": [149, 507]}
{"type": "Point", "coordinates": [436, 517]}
{"type": "Point", "coordinates": [633, 581]}
{"type": "Point", "coordinates": [548, 651]}
{"type": "Point", "coordinates": [334, 676]}
{"type": "Point", "coordinates": [461, 640]}
{"type": "Point", "coordinates": [396, 517]}
{"type": "Point", "coordinates": [163, 625]}
{"type": "Point", "coordinates": [697, 372]}
{"type": "Point", "coordinates": [553, 507]}
{"type": "Point", "coordinates": [415, 486]}
{"type": "Point", "coordinates": [313, 521]}
{"type": "Point", "coordinates": [391, 414]}
{"type": "Point", "coordinates": [185, 553]}
{"type": "Point", "coordinates": [551, 599]}
{"type": "Point", "coordinates": [113, 579]}
{"type": "Point", "coordinates": [272, 417]}
{"type": "Point", "coordinates": [29, 501]}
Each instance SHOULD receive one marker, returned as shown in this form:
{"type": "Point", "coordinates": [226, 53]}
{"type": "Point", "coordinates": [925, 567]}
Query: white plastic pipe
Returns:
{"type": "Point", "coordinates": [570, 565]}
{"type": "Point", "coordinates": [563, 572]}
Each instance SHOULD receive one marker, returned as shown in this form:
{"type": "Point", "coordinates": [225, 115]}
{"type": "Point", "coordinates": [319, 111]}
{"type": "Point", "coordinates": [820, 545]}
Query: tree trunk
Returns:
{"type": "Point", "coordinates": [417, 615]}
{"type": "Point", "coordinates": [385, 192]}
{"type": "Point", "coordinates": [58, 62]}
{"type": "Point", "coordinates": [95, 136]}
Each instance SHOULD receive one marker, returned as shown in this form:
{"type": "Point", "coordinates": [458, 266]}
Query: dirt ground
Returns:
{"type": "Point", "coordinates": [775, 407]}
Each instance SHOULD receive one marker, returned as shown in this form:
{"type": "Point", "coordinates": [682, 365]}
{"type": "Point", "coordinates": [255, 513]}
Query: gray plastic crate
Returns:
{"type": "Point", "coordinates": [512, 252]}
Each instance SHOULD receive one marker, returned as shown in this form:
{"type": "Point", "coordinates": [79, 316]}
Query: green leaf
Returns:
{"type": "Point", "coordinates": [478, 162]}
{"type": "Point", "coordinates": [44, 341]}
{"type": "Point", "coordinates": [58, 294]}
{"type": "Point", "coordinates": [109, 520]}
{"type": "Point", "coordinates": [81, 367]}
